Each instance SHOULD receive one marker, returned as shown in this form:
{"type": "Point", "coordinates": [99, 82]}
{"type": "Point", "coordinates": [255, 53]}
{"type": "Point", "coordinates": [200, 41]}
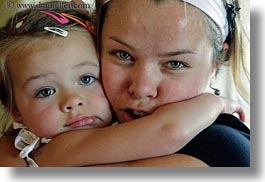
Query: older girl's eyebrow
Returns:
{"type": "Point", "coordinates": [167, 54]}
{"type": "Point", "coordinates": [122, 43]}
{"type": "Point", "coordinates": [175, 53]}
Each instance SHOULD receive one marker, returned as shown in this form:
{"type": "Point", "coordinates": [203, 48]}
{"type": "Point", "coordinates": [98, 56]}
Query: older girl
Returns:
{"type": "Point", "coordinates": [181, 75]}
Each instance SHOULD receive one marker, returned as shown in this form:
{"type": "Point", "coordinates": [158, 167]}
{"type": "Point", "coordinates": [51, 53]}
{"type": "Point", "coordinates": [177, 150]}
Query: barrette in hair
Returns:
{"type": "Point", "coordinates": [57, 16]}
{"type": "Point", "coordinates": [63, 19]}
{"type": "Point", "coordinates": [57, 31]}
{"type": "Point", "coordinates": [86, 24]}
{"type": "Point", "coordinates": [231, 16]}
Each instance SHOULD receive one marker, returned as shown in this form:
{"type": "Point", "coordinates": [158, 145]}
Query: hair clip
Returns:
{"type": "Point", "coordinates": [57, 31]}
{"type": "Point", "coordinates": [57, 16]}
{"type": "Point", "coordinates": [231, 16]}
{"type": "Point", "coordinates": [86, 24]}
{"type": "Point", "coordinates": [75, 18]}
{"type": "Point", "coordinates": [91, 28]}
{"type": "Point", "coordinates": [63, 18]}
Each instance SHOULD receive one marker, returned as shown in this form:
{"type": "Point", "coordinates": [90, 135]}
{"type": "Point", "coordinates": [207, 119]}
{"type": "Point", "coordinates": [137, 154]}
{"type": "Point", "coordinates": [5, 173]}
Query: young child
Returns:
{"type": "Point", "coordinates": [50, 84]}
{"type": "Point", "coordinates": [55, 79]}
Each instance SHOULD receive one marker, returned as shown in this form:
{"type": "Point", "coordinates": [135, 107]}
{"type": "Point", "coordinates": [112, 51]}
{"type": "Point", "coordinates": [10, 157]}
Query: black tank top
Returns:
{"type": "Point", "coordinates": [226, 143]}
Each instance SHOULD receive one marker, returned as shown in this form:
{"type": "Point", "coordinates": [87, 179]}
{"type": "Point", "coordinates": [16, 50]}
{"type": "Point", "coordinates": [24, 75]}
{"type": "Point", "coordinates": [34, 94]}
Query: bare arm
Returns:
{"type": "Point", "coordinates": [173, 160]}
{"type": "Point", "coordinates": [9, 158]}
{"type": "Point", "coordinates": [164, 132]}
{"type": "Point", "coordinates": [8, 154]}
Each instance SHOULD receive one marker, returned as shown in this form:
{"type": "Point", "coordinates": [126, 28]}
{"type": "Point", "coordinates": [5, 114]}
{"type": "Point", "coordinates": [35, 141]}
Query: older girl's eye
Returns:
{"type": "Point", "coordinates": [122, 55]}
{"type": "Point", "coordinates": [175, 64]}
{"type": "Point", "coordinates": [45, 92]}
{"type": "Point", "coordinates": [87, 80]}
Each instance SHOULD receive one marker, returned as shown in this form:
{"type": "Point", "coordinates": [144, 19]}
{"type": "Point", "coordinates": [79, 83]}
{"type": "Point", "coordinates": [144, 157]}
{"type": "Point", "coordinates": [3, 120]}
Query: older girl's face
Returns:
{"type": "Point", "coordinates": [153, 55]}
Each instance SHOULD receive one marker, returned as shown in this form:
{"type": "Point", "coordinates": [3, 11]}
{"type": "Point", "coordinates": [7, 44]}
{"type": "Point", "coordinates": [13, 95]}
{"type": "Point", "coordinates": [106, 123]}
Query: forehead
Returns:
{"type": "Point", "coordinates": [53, 54]}
{"type": "Point", "coordinates": [78, 43]}
{"type": "Point", "coordinates": [168, 20]}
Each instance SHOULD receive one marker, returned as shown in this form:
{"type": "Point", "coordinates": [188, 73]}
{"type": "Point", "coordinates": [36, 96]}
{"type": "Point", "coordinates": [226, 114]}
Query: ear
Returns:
{"type": "Point", "coordinates": [216, 67]}
{"type": "Point", "coordinates": [217, 64]}
{"type": "Point", "coordinates": [225, 47]}
{"type": "Point", "coordinates": [16, 115]}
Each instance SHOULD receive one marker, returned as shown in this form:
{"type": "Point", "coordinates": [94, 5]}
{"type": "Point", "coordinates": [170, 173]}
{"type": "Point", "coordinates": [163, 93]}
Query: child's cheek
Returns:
{"type": "Point", "coordinates": [48, 122]}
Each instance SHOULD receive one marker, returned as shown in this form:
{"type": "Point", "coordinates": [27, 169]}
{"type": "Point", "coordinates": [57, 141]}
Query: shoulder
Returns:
{"type": "Point", "coordinates": [225, 143]}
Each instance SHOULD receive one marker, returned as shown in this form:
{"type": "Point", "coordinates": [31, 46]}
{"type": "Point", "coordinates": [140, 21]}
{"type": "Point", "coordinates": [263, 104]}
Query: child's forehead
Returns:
{"type": "Point", "coordinates": [54, 53]}
{"type": "Point", "coordinates": [29, 44]}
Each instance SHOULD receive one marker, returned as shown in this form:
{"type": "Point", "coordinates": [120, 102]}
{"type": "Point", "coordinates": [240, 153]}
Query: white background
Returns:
{"type": "Point", "coordinates": [253, 174]}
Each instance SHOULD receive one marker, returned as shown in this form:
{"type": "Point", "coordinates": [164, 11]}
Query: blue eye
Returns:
{"type": "Point", "coordinates": [175, 64]}
{"type": "Point", "coordinates": [45, 92]}
{"type": "Point", "coordinates": [123, 55]}
{"type": "Point", "coordinates": [87, 80]}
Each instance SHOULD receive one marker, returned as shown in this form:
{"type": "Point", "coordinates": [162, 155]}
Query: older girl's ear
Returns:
{"type": "Point", "coordinates": [225, 47]}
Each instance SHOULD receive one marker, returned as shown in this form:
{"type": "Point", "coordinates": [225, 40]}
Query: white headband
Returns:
{"type": "Point", "coordinates": [215, 9]}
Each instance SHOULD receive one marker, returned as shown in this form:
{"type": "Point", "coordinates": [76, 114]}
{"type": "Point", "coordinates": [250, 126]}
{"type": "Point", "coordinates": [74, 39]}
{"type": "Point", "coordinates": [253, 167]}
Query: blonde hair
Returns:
{"type": "Point", "coordinates": [240, 57]}
{"type": "Point", "coordinates": [20, 34]}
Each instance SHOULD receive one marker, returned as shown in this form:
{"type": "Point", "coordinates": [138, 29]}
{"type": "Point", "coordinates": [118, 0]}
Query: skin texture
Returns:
{"type": "Point", "coordinates": [162, 71]}
{"type": "Point", "coordinates": [149, 67]}
{"type": "Point", "coordinates": [55, 92]}
{"type": "Point", "coordinates": [9, 153]}
{"type": "Point", "coordinates": [176, 160]}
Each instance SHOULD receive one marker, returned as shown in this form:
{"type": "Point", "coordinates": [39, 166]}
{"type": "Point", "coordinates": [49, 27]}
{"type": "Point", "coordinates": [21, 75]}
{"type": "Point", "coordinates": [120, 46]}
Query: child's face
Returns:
{"type": "Point", "coordinates": [57, 87]}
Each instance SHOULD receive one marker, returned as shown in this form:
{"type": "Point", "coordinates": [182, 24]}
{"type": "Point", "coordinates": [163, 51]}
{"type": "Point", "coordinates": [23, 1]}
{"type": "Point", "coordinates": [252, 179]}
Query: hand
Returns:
{"type": "Point", "coordinates": [232, 107]}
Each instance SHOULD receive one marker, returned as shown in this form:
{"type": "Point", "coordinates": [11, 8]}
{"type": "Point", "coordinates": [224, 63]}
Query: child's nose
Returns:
{"type": "Point", "coordinates": [72, 102]}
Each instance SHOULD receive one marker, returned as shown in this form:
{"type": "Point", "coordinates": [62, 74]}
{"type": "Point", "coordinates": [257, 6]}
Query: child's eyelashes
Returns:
{"type": "Point", "coordinates": [45, 92]}
{"type": "Point", "coordinates": [87, 79]}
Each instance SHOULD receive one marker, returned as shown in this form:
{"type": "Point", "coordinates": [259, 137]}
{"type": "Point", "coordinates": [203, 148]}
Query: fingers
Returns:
{"type": "Point", "coordinates": [241, 113]}
{"type": "Point", "coordinates": [232, 107]}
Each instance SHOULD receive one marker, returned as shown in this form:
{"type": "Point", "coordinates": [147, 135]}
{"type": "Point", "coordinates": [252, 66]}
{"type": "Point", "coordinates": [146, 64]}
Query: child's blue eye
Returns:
{"type": "Point", "coordinates": [87, 80]}
{"type": "Point", "coordinates": [45, 92]}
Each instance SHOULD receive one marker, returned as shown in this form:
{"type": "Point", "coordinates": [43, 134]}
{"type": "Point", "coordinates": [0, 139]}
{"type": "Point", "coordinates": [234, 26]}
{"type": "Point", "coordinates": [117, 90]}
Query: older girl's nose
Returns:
{"type": "Point", "coordinates": [144, 84]}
